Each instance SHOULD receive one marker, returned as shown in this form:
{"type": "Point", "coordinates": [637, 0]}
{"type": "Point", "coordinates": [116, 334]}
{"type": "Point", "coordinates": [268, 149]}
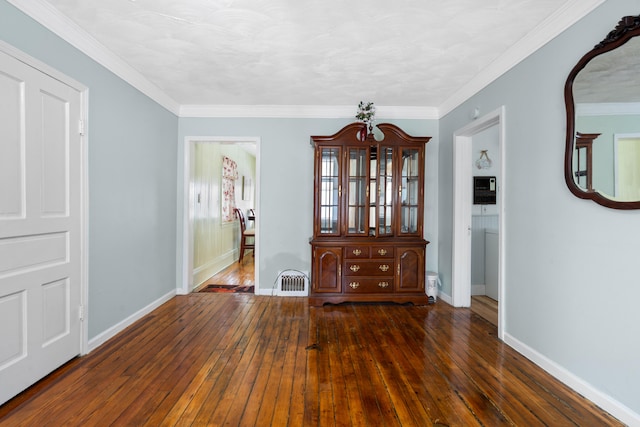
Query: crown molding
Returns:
{"type": "Point", "coordinates": [550, 28]}
{"type": "Point", "coordinates": [303, 111]}
{"type": "Point", "coordinates": [55, 21]}
{"type": "Point", "coordinates": [608, 109]}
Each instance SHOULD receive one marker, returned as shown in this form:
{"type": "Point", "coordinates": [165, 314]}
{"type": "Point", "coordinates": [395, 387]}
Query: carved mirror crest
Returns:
{"type": "Point", "coordinates": [602, 97]}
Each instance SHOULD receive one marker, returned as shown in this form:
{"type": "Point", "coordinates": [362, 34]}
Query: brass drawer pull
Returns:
{"type": "Point", "coordinates": [384, 267]}
{"type": "Point", "coordinates": [354, 268]}
{"type": "Point", "coordinates": [354, 285]}
{"type": "Point", "coordinates": [357, 252]}
{"type": "Point", "coordinates": [383, 284]}
{"type": "Point", "coordinates": [382, 251]}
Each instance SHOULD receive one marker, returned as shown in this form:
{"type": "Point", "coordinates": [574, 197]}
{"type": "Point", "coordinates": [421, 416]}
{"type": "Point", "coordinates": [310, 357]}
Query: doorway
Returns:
{"type": "Point", "coordinates": [210, 242]}
{"type": "Point", "coordinates": [463, 227]}
{"type": "Point", "coordinates": [626, 160]}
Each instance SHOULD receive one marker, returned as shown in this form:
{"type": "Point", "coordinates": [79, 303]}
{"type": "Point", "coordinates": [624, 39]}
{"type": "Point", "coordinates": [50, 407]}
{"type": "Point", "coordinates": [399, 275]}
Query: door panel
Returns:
{"type": "Point", "coordinates": [410, 269]}
{"type": "Point", "coordinates": [40, 225]}
{"type": "Point", "coordinates": [328, 267]}
{"type": "Point", "coordinates": [12, 146]}
{"type": "Point", "coordinates": [54, 155]}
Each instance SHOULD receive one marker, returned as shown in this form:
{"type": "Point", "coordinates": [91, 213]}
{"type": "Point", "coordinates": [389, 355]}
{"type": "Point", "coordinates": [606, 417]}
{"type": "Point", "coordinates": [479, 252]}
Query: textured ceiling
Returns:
{"type": "Point", "coordinates": [292, 52]}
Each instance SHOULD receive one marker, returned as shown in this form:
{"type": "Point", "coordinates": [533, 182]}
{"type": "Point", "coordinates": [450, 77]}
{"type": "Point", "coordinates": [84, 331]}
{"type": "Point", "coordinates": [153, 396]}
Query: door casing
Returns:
{"type": "Point", "coordinates": [462, 201]}
{"type": "Point", "coordinates": [185, 285]}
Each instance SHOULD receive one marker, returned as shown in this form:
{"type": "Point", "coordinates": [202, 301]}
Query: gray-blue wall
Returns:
{"type": "Point", "coordinates": [571, 279]}
{"type": "Point", "coordinates": [132, 174]}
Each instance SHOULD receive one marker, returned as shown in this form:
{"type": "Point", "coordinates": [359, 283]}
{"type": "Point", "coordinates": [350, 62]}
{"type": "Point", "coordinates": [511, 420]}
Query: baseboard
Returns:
{"type": "Point", "coordinates": [444, 297]}
{"type": "Point", "coordinates": [604, 401]}
{"type": "Point", "coordinates": [478, 289]}
{"type": "Point", "coordinates": [103, 337]}
{"type": "Point", "coordinates": [202, 273]}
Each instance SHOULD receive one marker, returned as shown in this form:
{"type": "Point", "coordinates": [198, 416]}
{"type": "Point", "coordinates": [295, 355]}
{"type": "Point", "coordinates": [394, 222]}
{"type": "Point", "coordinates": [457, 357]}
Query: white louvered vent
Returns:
{"type": "Point", "coordinates": [293, 283]}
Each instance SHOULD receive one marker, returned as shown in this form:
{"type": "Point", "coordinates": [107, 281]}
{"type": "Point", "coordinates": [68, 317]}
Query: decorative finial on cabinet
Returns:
{"type": "Point", "coordinates": [366, 114]}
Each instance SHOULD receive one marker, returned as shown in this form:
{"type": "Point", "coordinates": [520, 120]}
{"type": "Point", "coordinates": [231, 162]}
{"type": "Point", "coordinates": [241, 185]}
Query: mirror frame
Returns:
{"type": "Point", "coordinates": [627, 28]}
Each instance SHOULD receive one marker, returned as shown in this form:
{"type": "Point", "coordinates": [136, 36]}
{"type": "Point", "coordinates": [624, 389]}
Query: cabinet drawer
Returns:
{"type": "Point", "coordinates": [356, 252]}
{"type": "Point", "coordinates": [382, 252]}
{"type": "Point", "coordinates": [369, 268]}
{"type": "Point", "coordinates": [368, 285]}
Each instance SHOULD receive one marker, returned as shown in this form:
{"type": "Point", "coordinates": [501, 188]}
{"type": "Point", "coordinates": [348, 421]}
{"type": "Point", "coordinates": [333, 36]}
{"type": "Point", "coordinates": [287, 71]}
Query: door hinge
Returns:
{"type": "Point", "coordinates": [81, 312]}
{"type": "Point", "coordinates": [81, 127]}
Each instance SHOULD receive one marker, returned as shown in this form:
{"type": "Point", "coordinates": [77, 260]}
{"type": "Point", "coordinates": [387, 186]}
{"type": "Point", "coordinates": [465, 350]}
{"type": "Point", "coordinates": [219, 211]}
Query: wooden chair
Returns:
{"type": "Point", "coordinates": [251, 218]}
{"type": "Point", "coordinates": [247, 237]}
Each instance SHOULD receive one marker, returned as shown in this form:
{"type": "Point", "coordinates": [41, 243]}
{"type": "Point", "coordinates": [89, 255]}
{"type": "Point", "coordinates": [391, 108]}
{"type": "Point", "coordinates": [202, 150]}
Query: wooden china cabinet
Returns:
{"type": "Point", "coordinates": [367, 240]}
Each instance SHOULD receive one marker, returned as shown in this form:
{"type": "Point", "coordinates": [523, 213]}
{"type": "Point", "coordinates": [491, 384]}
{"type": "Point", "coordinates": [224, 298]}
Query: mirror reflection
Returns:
{"type": "Point", "coordinates": [603, 120]}
{"type": "Point", "coordinates": [607, 105]}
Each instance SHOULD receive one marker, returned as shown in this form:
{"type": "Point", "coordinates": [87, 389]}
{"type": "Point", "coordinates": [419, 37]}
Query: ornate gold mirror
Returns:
{"type": "Point", "coordinates": [602, 97]}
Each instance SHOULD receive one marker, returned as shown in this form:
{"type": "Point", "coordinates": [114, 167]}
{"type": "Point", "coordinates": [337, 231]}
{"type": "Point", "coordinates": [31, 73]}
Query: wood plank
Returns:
{"type": "Point", "coordinates": [312, 389]}
{"type": "Point", "coordinates": [236, 274]}
{"type": "Point", "coordinates": [242, 359]}
{"type": "Point", "coordinates": [284, 381]}
{"type": "Point", "coordinates": [486, 308]}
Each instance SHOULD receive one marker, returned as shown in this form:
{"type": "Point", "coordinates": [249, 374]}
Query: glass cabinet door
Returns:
{"type": "Point", "coordinates": [358, 191]}
{"type": "Point", "coordinates": [330, 191]}
{"type": "Point", "coordinates": [373, 190]}
{"type": "Point", "coordinates": [409, 191]}
{"type": "Point", "coordinates": [385, 191]}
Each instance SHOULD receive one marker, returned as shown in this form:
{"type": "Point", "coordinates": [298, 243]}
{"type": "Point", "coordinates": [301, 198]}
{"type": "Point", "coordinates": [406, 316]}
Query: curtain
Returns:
{"type": "Point", "coordinates": [229, 176]}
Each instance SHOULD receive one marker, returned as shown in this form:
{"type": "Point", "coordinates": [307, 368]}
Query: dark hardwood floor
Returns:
{"type": "Point", "coordinates": [237, 274]}
{"type": "Point", "coordinates": [485, 307]}
{"type": "Point", "coordinates": [240, 359]}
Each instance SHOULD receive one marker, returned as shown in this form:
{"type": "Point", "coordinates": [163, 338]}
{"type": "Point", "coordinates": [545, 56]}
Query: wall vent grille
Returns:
{"type": "Point", "coordinates": [293, 283]}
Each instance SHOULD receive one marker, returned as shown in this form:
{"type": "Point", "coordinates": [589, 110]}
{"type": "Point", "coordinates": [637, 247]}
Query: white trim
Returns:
{"type": "Point", "coordinates": [65, 28]}
{"type": "Point", "coordinates": [604, 401]}
{"type": "Point", "coordinates": [461, 248]}
{"type": "Point", "coordinates": [84, 221]}
{"type": "Point", "coordinates": [608, 109]}
{"type": "Point", "coordinates": [502, 292]}
{"type": "Point", "coordinates": [304, 111]}
{"type": "Point", "coordinates": [84, 185]}
{"type": "Point", "coordinates": [445, 297]}
{"type": "Point", "coordinates": [213, 267]}
{"type": "Point", "coordinates": [41, 66]}
{"type": "Point", "coordinates": [563, 18]}
{"type": "Point", "coordinates": [185, 248]}
{"type": "Point", "coordinates": [103, 337]}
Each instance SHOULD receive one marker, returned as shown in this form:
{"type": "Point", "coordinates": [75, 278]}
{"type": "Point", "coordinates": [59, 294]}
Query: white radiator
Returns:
{"type": "Point", "coordinates": [293, 283]}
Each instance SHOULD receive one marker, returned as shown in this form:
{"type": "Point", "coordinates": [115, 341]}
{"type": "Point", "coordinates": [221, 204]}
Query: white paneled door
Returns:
{"type": "Point", "coordinates": [40, 225]}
